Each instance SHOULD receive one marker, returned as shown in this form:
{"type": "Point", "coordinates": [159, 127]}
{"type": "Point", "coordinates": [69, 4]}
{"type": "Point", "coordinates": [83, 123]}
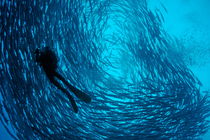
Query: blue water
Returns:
{"type": "Point", "coordinates": [144, 63]}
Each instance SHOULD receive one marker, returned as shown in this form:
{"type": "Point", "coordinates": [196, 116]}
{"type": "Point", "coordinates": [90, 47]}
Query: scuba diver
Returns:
{"type": "Point", "coordinates": [49, 62]}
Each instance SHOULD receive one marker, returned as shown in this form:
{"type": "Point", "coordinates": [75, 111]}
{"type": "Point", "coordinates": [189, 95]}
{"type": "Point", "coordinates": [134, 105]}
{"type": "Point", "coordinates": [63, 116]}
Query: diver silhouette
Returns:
{"type": "Point", "coordinates": [49, 62]}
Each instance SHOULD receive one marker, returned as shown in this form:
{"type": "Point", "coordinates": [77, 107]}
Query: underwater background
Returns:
{"type": "Point", "coordinates": [145, 64]}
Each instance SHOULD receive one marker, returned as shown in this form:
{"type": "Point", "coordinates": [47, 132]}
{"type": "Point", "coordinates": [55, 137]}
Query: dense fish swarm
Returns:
{"type": "Point", "coordinates": [114, 50]}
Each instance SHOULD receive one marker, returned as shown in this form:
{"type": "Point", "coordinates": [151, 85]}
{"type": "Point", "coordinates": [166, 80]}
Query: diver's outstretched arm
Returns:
{"type": "Point", "coordinates": [81, 95]}
{"type": "Point", "coordinates": [73, 103]}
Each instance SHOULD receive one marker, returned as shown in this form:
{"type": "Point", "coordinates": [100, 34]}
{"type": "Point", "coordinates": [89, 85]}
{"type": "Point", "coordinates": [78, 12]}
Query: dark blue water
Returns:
{"type": "Point", "coordinates": [131, 57]}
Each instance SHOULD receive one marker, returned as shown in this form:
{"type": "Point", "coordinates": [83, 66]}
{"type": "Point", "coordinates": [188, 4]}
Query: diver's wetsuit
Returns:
{"type": "Point", "coordinates": [48, 60]}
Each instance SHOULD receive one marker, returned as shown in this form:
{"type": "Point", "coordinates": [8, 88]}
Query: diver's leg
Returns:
{"type": "Point", "coordinates": [73, 103]}
{"type": "Point", "coordinates": [81, 95]}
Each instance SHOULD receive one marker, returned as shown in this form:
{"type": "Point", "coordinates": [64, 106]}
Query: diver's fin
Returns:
{"type": "Point", "coordinates": [73, 103]}
{"type": "Point", "coordinates": [81, 95]}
